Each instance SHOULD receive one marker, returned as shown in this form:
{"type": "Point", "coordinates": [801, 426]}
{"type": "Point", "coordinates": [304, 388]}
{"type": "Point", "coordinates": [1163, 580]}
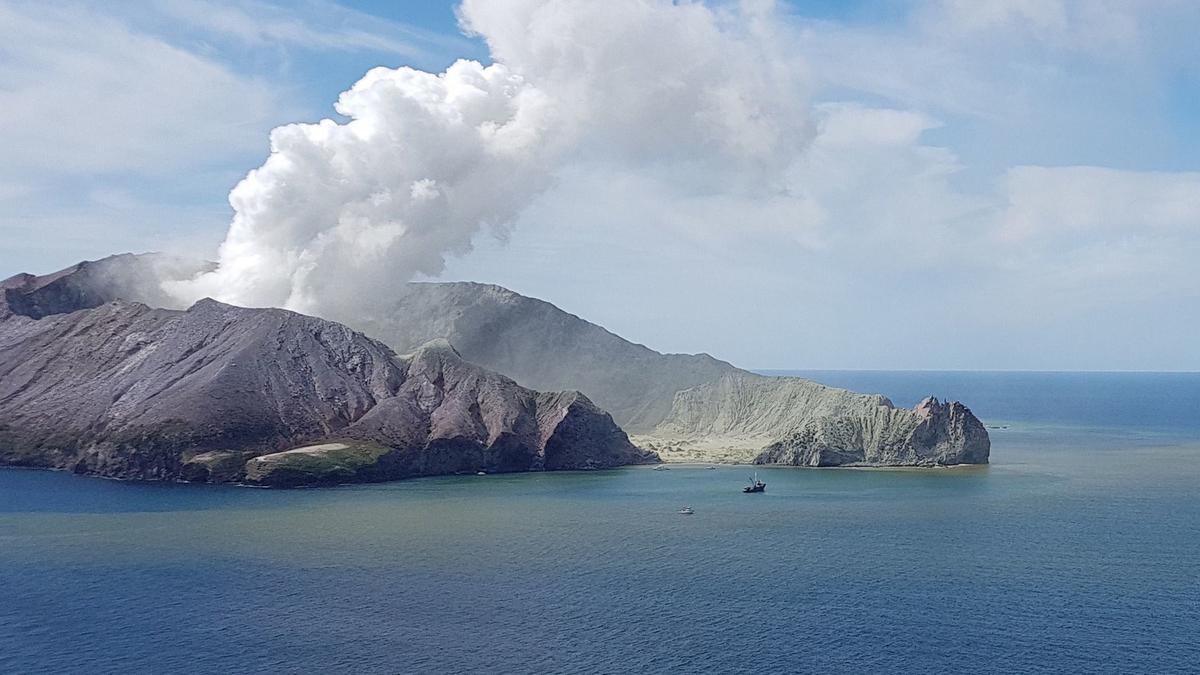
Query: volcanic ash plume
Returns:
{"type": "Point", "coordinates": [340, 209]}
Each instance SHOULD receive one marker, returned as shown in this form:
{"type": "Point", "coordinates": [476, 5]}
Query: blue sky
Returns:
{"type": "Point", "coordinates": [1003, 185]}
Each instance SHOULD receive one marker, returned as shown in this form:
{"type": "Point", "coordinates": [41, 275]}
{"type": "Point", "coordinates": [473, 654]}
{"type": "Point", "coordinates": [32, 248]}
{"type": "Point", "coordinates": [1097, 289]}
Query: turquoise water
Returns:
{"type": "Point", "coordinates": [1077, 550]}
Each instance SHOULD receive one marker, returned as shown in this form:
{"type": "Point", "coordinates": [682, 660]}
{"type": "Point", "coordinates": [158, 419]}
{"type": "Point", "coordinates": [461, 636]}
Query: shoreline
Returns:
{"type": "Point", "coordinates": [844, 467]}
{"type": "Point", "coordinates": [693, 465]}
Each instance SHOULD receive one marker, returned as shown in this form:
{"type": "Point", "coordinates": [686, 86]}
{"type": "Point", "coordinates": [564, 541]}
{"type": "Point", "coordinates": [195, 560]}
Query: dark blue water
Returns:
{"type": "Point", "coordinates": [1078, 550]}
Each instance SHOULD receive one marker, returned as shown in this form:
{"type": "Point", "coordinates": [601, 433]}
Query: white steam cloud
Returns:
{"type": "Point", "coordinates": [426, 160]}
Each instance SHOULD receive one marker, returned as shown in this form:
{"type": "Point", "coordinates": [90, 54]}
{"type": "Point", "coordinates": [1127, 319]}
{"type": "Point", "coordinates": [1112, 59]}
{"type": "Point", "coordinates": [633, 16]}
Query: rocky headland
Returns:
{"type": "Point", "coordinates": [744, 417]}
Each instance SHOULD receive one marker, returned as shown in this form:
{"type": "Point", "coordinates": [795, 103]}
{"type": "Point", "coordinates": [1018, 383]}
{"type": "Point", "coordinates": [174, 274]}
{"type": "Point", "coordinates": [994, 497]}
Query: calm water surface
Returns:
{"type": "Point", "coordinates": [1077, 550]}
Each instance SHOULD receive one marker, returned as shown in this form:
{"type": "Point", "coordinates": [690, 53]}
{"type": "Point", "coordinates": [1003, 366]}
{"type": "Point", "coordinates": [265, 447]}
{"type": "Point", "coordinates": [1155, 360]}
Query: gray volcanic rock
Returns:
{"type": "Point", "coordinates": [790, 420]}
{"type": "Point", "coordinates": [541, 346]}
{"type": "Point", "coordinates": [749, 405]}
{"type": "Point", "coordinates": [674, 401]}
{"type": "Point", "coordinates": [931, 434]}
{"type": "Point", "coordinates": [90, 284]}
{"type": "Point", "coordinates": [693, 406]}
{"type": "Point", "coordinates": [452, 416]}
{"type": "Point", "coordinates": [127, 391]}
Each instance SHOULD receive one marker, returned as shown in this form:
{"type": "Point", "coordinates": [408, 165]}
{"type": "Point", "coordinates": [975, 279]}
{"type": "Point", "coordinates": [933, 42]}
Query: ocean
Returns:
{"type": "Point", "coordinates": [1076, 551]}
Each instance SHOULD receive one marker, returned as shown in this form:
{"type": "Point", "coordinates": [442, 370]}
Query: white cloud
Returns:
{"type": "Point", "coordinates": [1097, 27]}
{"type": "Point", "coordinates": [88, 95]}
{"type": "Point", "coordinates": [151, 108]}
{"type": "Point", "coordinates": [1072, 240]}
{"type": "Point", "coordinates": [14, 190]}
{"type": "Point", "coordinates": [848, 124]}
{"type": "Point", "coordinates": [1017, 63]}
{"type": "Point", "coordinates": [307, 24]}
{"type": "Point", "coordinates": [1084, 201]}
{"type": "Point", "coordinates": [657, 81]}
{"type": "Point", "coordinates": [876, 255]}
{"type": "Point", "coordinates": [972, 17]}
{"type": "Point", "coordinates": [109, 135]}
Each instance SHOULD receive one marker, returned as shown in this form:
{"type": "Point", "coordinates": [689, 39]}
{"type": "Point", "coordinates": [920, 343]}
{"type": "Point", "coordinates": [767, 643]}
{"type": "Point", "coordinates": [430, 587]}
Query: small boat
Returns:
{"type": "Point", "coordinates": [755, 485]}
{"type": "Point", "coordinates": [687, 511]}
{"type": "Point", "coordinates": [660, 467]}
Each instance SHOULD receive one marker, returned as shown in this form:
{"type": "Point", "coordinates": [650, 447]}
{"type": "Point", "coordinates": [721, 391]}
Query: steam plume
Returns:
{"type": "Point", "coordinates": [427, 160]}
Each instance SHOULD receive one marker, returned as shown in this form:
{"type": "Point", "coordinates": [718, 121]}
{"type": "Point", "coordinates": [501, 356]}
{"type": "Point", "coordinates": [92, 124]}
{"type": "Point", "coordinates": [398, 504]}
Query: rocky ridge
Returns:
{"type": "Point", "coordinates": [540, 346]}
{"type": "Point", "coordinates": [685, 407]}
{"type": "Point", "coordinates": [214, 392]}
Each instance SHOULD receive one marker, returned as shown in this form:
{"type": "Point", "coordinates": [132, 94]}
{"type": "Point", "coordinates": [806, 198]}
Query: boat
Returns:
{"type": "Point", "coordinates": [687, 511]}
{"type": "Point", "coordinates": [755, 485]}
{"type": "Point", "coordinates": [660, 467]}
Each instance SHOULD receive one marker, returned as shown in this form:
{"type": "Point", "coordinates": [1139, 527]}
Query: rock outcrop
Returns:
{"type": "Point", "coordinates": [220, 393]}
{"type": "Point", "coordinates": [745, 417]}
{"type": "Point", "coordinates": [931, 434]}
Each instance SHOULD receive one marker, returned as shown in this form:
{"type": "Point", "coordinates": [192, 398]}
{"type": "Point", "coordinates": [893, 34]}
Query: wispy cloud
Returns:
{"type": "Point", "coordinates": [115, 138]}
{"type": "Point", "coordinates": [117, 116]}
{"type": "Point", "coordinates": [309, 25]}
{"type": "Point", "coordinates": [82, 93]}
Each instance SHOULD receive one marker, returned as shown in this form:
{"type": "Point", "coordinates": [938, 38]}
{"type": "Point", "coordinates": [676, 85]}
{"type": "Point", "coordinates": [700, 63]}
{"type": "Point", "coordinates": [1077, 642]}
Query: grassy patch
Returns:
{"type": "Point", "coordinates": [324, 463]}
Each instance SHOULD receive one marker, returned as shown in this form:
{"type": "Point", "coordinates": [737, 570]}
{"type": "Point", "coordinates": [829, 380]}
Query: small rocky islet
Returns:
{"type": "Point", "coordinates": [99, 376]}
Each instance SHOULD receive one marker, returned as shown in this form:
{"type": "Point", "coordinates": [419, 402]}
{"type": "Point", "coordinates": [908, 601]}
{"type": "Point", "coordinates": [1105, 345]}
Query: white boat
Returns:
{"type": "Point", "coordinates": [687, 511]}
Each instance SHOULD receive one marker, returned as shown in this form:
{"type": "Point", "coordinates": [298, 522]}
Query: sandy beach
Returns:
{"type": "Point", "coordinates": [712, 450]}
